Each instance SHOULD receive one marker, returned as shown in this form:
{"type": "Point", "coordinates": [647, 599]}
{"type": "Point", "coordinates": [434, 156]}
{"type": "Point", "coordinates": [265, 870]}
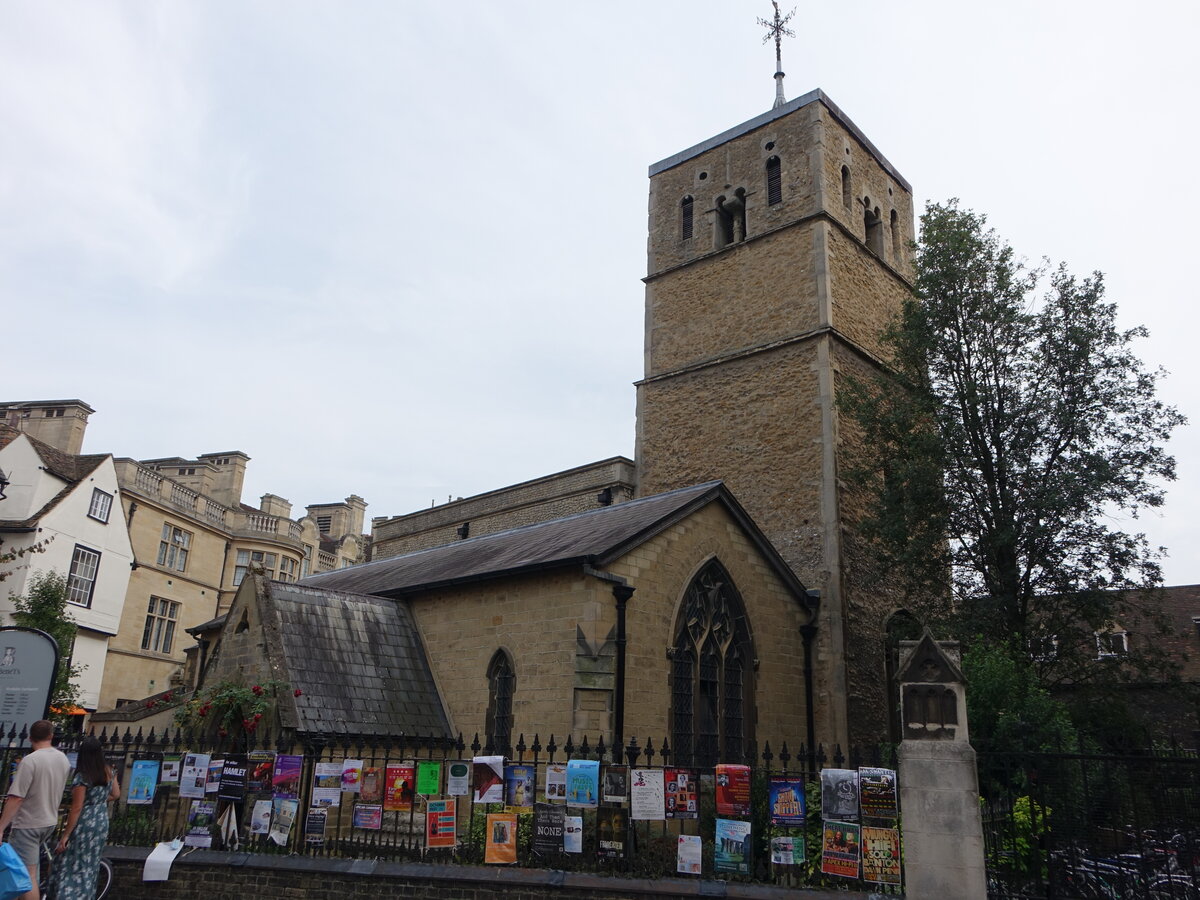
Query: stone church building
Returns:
{"type": "Point", "coordinates": [712, 591]}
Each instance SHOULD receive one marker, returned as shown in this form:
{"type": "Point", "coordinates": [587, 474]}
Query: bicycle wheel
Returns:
{"type": "Point", "coordinates": [104, 878]}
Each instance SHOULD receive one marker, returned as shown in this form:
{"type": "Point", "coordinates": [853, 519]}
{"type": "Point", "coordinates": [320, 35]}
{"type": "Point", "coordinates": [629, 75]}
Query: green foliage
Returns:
{"type": "Point", "coordinates": [7, 557]}
{"type": "Point", "coordinates": [230, 707]}
{"type": "Point", "coordinates": [44, 607]}
{"type": "Point", "coordinates": [1010, 709]}
{"type": "Point", "coordinates": [1017, 847]}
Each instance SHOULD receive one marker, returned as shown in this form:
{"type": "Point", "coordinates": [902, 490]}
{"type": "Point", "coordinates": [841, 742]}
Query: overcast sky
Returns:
{"type": "Point", "coordinates": [395, 248]}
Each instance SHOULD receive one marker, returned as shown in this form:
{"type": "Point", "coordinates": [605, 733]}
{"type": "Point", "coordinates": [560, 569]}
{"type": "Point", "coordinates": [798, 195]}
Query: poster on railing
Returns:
{"type": "Point", "coordinates": [839, 794]}
{"type": "Point", "coordinates": [327, 784]}
{"type": "Point", "coordinates": [840, 849]}
{"type": "Point", "coordinates": [171, 764]}
{"type": "Point", "coordinates": [549, 820]}
{"type": "Point", "coordinates": [690, 855]}
{"type": "Point", "coordinates": [285, 777]}
{"type": "Point", "coordinates": [881, 855]}
{"type": "Point", "coordinates": [371, 790]}
{"type": "Point", "coordinates": [352, 775]}
{"type": "Point", "coordinates": [260, 817]}
{"type": "Point", "coordinates": [398, 795]}
{"type": "Point", "coordinates": [262, 764]}
{"type": "Point", "coordinates": [233, 778]}
{"type": "Point", "coordinates": [682, 794]}
{"type": "Point", "coordinates": [786, 797]}
{"type": "Point", "coordinates": [143, 780]}
{"type": "Point", "coordinates": [556, 781]}
{"type": "Point", "coordinates": [440, 824]}
{"type": "Point", "coordinates": [731, 847]}
{"type": "Point", "coordinates": [647, 798]}
{"type": "Point", "coordinates": [283, 816]}
{"type": "Point", "coordinates": [583, 783]}
{"type": "Point", "coordinates": [314, 827]}
{"type": "Point", "coordinates": [572, 834]}
{"type": "Point", "coordinates": [615, 787]}
{"type": "Point", "coordinates": [501, 846]}
{"type": "Point", "coordinates": [195, 775]}
{"type": "Point", "coordinates": [368, 815]}
{"type": "Point", "coordinates": [612, 828]}
{"type": "Point", "coordinates": [215, 768]}
{"type": "Point", "coordinates": [429, 777]}
{"type": "Point", "coordinates": [787, 851]}
{"type": "Point", "coordinates": [458, 778]}
{"type": "Point", "coordinates": [519, 786]}
{"type": "Point", "coordinates": [733, 790]}
{"type": "Point", "coordinates": [487, 776]}
{"type": "Point", "coordinates": [877, 793]}
{"type": "Point", "coordinates": [201, 816]}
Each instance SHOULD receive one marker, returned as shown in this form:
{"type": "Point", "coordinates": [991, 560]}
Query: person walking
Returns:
{"type": "Point", "coordinates": [86, 832]}
{"type": "Point", "coordinates": [34, 795]}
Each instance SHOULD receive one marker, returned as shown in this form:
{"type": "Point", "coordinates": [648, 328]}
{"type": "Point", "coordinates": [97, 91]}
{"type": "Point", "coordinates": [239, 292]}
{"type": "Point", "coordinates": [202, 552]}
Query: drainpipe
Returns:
{"type": "Point", "coordinates": [622, 592]}
{"type": "Point", "coordinates": [808, 632]}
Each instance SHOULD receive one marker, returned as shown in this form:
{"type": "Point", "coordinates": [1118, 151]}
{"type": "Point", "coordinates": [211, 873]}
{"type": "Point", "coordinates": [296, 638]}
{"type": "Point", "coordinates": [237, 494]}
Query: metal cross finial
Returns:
{"type": "Point", "coordinates": [777, 29]}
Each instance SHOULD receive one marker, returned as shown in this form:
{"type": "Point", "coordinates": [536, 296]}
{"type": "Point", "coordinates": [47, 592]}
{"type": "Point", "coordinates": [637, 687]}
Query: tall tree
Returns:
{"type": "Point", "coordinates": [44, 607]}
{"type": "Point", "coordinates": [1014, 426]}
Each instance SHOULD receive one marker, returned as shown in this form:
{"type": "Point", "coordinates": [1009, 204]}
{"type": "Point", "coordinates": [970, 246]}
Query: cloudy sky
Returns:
{"type": "Point", "coordinates": [394, 248]}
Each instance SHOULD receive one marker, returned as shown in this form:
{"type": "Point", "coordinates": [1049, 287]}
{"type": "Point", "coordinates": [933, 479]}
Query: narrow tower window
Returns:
{"type": "Point", "coordinates": [897, 244]}
{"type": "Point", "coordinates": [847, 197]}
{"type": "Point", "coordinates": [501, 684]}
{"type": "Point", "coordinates": [731, 219]}
{"type": "Point", "coordinates": [774, 181]}
{"type": "Point", "coordinates": [874, 228]}
{"type": "Point", "coordinates": [685, 213]}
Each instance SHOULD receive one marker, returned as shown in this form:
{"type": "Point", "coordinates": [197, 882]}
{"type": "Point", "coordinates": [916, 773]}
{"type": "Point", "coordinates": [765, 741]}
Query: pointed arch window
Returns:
{"type": "Point", "coordinates": [712, 695]}
{"type": "Point", "coordinates": [502, 682]}
{"type": "Point", "coordinates": [847, 193]}
{"type": "Point", "coordinates": [774, 181]}
{"type": "Point", "coordinates": [685, 218]}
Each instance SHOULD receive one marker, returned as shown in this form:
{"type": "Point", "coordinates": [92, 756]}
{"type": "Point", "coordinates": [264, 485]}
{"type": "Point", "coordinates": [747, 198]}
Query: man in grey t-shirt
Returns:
{"type": "Point", "coordinates": [34, 795]}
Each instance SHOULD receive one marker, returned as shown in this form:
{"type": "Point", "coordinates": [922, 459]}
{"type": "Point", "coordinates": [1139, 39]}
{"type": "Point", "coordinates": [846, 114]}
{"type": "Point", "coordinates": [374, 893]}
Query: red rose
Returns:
{"type": "Point", "coordinates": [297, 692]}
{"type": "Point", "coordinates": [257, 690]}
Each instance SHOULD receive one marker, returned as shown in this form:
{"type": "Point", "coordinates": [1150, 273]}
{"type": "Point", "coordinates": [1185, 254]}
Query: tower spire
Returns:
{"type": "Point", "coordinates": [777, 28]}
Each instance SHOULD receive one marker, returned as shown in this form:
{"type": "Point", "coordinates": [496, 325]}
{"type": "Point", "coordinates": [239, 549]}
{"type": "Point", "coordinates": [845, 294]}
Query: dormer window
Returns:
{"type": "Point", "coordinates": [1110, 644]}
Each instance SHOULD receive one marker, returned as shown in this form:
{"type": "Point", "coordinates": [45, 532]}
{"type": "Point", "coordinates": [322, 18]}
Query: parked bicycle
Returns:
{"type": "Point", "coordinates": [104, 876]}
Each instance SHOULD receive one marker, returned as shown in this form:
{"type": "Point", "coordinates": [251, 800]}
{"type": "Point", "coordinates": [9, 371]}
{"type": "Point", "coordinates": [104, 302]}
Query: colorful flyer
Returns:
{"type": "Point", "coordinates": [261, 764]}
{"type": "Point", "coordinates": [881, 855]}
{"type": "Point", "coordinates": [519, 782]}
{"type": "Point", "coordinates": [877, 794]}
{"type": "Point", "coordinates": [171, 763]}
{"type": "Point", "coordinates": [440, 824]}
{"type": "Point", "coordinates": [327, 784]}
{"type": "Point", "coordinates": [733, 791]}
{"type": "Point", "coordinates": [683, 799]}
{"type": "Point", "coordinates": [556, 781]}
{"type": "Point", "coordinates": [458, 775]}
{"type": "Point", "coordinates": [612, 827]}
{"type": "Point", "coordinates": [501, 847]}
{"type": "Point", "coordinates": [213, 784]}
{"type": "Point", "coordinates": [285, 776]}
{"type": "Point", "coordinates": [233, 778]}
{"type": "Point", "coordinates": [143, 781]}
{"type": "Point", "coordinates": [731, 847]}
{"type": "Point", "coordinates": [367, 815]}
{"type": "Point", "coordinates": [647, 799]}
{"type": "Point", "coordinates": [201, 816]}
{"type": "Point", "coordinates": [549, 822]}
{"type": "Point", "coordinates": [429, 777]}
{"type": "Point", "coordinates": [283, 816]}
{"type": "Point", "coordinates": [690, 855]}
{"type": "Point", "coordinates": [572, 834]}
{"type": "Point", "coordinates": [786, 798]}
{"type": "Point", "coordinates": [583, 783]}
{"type": "Point", "coordinates": [371, 789]}
{"type": "Point", "coordinates": [839, 849]}
{"type": "Point", "coordinates": [787, 851]}
{"type": "Point", "coordinates": [260, 818]}
{"type": "Point", "coordinates": [195, 775]}
{"type": "Point", "coordinates": [487, 774]}
{"type": "Point", "coordinates": [615, 788]}
{"type": "Point", "coordinates": [398, 791]}
{"type": "Point", "coordinates": [314, 827]}
{"type": "Point", "coordinates": [839, 794]}
{"type": "Point", "coordinates": [351, 775]}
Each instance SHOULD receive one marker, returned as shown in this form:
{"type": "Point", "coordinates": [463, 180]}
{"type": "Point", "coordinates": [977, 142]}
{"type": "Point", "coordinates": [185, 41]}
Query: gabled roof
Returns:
{"type": "Point", "coordinates": [596, 537]}
{"type": "Point", "coordinates": [357, 661]}
{"type": "Point", "coordinates": [65, 466]}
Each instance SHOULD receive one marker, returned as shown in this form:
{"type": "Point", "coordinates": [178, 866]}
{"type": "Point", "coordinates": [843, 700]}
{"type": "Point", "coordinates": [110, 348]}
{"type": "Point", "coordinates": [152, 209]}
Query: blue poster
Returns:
{"type": "Point", "coordinates": [583, 783]}
{"type": "Point", "coordinates": [731, 851]}
{"type": "Point", "coordinates": [142, 781]}
{"type": "Point", "coordinates": [787, 801]}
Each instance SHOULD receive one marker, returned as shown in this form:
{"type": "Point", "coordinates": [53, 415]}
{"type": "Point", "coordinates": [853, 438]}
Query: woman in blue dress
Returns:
{"type": "Point", "coordinates": [86, 831]}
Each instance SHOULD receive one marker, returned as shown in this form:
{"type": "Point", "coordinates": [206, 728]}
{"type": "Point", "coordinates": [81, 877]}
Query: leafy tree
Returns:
{"type": "Point", "coordinates": [1014, 422]}
{"type": "Point", "coordinates": [7, 557]}
{"type": "Point", "coordinates": [45, 607]}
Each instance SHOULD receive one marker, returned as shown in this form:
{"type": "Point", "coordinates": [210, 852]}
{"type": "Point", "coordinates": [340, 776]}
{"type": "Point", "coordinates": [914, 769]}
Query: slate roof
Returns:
{"type": "Point", "coordinates": [596, 537]}
{"type": "Point", "coordinates": [71, 469]}
{"type": "Point", "coordinates": [358, 662]}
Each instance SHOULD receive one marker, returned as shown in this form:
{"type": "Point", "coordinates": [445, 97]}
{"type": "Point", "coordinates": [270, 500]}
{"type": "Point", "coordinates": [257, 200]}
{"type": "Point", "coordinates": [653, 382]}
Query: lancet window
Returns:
{"type": "Point", "coordinates": [502, 681]}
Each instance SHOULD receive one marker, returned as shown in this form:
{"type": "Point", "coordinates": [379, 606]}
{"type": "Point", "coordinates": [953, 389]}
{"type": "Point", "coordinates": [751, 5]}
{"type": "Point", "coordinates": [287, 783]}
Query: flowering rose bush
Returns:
{"type": "Point", "coordinates": [228, 706]}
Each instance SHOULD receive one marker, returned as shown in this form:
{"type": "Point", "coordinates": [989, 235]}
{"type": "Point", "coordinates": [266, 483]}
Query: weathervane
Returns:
{"type": "Point", "coordinates": [777, 28]}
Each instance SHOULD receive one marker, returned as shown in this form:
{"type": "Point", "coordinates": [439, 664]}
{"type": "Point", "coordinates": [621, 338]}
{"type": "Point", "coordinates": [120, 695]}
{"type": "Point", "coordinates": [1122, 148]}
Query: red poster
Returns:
{"type": "Point", "coordinates": [399, 784]}
{"type": "Point", "coordinates": [439, 824]}
{"type": "Point", "coordinates": [733, 790]}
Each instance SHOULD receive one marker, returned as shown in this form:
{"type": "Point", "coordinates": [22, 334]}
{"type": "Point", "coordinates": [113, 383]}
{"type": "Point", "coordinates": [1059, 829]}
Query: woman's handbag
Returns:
{"type": "Point", "coordinates": [14, 877]}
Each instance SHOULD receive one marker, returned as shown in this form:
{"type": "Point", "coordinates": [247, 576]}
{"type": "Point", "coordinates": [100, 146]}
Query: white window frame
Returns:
{"type": "Point", "coordinates": [287, 568]}
{"type": "Point", "coordinates": [174, 547]}
{"type": "Point", "coordinates": [1104, 644]}
{"type": "Point", "coordinates": [101, 506]}
{"type": "Point", "coordinates": [248, 558]}
{"type": "Point", "coordinates": [81, 581]}
{"type": "Point", "coordinates": [162, 615]}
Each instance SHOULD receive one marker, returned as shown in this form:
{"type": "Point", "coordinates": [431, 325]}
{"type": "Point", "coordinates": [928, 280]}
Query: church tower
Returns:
{"type": "Point", "coordinates": [777, 252]}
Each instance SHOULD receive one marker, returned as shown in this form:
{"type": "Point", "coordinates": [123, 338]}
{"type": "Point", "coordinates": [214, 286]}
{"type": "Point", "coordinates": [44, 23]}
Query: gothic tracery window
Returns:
{"type": "Point", "coordinates": [502, 681]}
{"type": "Point", "coordinates": [712, 695]}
